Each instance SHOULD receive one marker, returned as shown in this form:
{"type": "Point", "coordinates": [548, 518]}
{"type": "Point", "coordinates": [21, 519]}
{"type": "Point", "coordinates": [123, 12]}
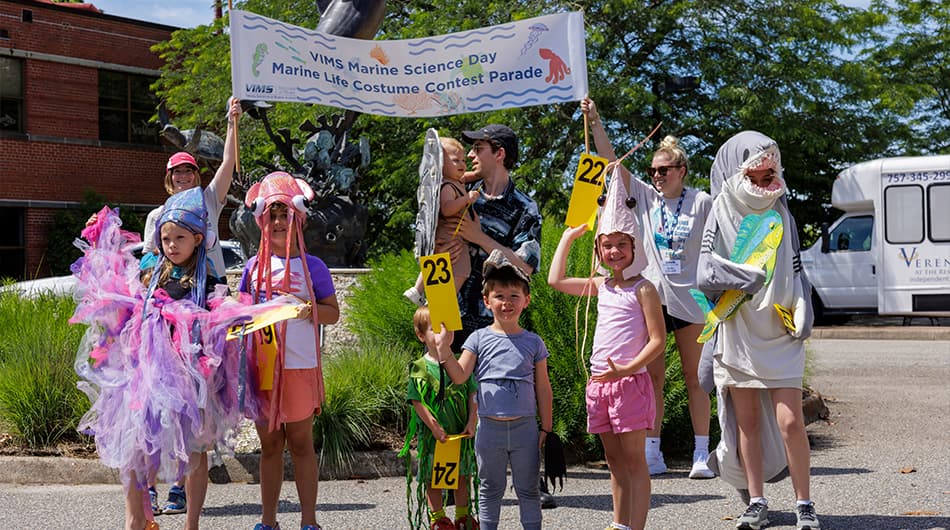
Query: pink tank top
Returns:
{"type": "Point", "coordinates": [621, 329]}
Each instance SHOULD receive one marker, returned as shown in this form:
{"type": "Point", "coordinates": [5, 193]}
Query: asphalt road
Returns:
{"type": "Point", "coordinates": [890, 414]}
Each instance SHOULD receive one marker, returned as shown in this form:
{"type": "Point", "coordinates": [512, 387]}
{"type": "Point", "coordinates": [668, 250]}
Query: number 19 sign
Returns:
{"type": "Point", "coordinates": [588, 186]}
{"type": "Point", "coordinates": [440, 291]}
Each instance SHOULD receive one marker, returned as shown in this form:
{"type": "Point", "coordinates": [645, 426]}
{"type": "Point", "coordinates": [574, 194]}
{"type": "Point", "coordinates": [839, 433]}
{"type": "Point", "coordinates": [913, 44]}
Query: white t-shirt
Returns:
{"type": "Point", "coordinates": [300, 342]}
{"type": "Point", "coordinates": [687, 233]}
{"type": "Point", "coordinates": [215, 254]}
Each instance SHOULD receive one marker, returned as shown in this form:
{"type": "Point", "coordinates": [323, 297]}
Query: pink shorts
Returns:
{"type": "Point", "coordinates": [301, 398]}
{"type": "Point", "coordinates": [621, 405]}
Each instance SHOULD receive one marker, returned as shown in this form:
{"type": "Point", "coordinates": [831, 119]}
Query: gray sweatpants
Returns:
{"type": "Point", "coordinates": [497, 444]}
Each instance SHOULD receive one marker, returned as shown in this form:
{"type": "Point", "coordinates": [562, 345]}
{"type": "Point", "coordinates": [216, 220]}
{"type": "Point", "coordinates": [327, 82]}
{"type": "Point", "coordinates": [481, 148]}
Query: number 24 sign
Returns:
{"type": "Point", "coordinates": [588, 186]}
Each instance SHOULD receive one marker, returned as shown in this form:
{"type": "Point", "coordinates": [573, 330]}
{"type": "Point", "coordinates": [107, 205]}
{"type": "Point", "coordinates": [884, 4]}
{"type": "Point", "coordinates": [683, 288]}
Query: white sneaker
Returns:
{"type": "Point", "coordinates": [415, 296]}
{"type": "Point", "coordinates": [655, 463]}
{"type": "Point", "coordinates": [700, 469]}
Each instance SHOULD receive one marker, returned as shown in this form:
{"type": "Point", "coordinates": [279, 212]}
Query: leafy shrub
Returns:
{"type": "Point", "coordinates": [378, 313]}
{"type": "Point", "coordinates": [365, 389]}
{"type": "Point", "coordinates": [67, 224]}
{"type": "Point", "coordinates": [39, 402]}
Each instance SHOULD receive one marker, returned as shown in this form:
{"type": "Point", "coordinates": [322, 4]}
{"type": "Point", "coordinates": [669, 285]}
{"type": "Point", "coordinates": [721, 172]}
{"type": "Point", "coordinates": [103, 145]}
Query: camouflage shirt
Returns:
{"type": "Point", "coordinates": [514, 221]}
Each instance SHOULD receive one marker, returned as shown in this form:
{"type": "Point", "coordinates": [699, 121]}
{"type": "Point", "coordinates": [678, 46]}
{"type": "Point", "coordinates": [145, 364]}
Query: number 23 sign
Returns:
{"type": "Point", "coordinates": [588, 186]}
{"type": "Point", "coordinates": [440, 291]}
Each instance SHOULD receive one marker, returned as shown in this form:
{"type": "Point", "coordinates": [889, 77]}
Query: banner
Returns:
{"type": "Point", "coordinates": [530, 62]}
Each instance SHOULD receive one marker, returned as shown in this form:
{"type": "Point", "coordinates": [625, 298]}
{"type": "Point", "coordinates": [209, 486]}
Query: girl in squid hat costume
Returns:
{"type": "Point", "coordinates": [288, 377]}
{"type": "Point", "coordinates": [629, 334]}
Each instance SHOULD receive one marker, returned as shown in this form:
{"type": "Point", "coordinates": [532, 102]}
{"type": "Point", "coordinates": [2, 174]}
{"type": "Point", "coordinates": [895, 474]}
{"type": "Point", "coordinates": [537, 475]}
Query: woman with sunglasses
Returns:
{"type": "Point", "coordinates": [675, 215]}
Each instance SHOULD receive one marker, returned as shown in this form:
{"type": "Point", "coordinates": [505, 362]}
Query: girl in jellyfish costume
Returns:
{"type": "Point", "coordinates": [163, 382]}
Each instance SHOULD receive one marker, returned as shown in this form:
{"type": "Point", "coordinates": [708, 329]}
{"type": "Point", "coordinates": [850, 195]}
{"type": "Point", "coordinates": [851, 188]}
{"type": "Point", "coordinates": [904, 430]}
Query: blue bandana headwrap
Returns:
{"type": "Point", "coordinates": [187, 210]}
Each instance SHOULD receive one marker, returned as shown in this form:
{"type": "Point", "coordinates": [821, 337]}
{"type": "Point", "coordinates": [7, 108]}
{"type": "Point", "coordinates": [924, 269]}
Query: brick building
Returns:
{"type": "Point", "coordinates": [74, 111]}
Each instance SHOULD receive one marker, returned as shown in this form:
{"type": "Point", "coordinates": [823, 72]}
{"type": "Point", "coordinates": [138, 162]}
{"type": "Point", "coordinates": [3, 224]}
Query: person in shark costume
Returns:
{"type": "Point", "coordinates": [755, 360]}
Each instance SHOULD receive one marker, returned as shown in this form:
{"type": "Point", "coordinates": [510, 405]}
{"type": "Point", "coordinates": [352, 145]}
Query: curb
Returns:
{"type": "Point", "coordinates": [242, 467]}
{"type": "Point", "coordinates": [882, 333]}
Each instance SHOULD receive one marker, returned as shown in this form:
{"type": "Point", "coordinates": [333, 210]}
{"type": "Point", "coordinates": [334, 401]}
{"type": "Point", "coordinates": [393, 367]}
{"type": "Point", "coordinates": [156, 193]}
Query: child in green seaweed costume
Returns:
{"type": "Point", "coordinates": [439, 408]}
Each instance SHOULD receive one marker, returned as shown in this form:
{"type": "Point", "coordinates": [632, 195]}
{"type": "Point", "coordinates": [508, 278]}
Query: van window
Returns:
{"type": "Point", "coordinates": [938, 199]}
{"type": "Point", "coordinates": [852, 234]}
{"type": "Point", "coordinates": [904, 214]}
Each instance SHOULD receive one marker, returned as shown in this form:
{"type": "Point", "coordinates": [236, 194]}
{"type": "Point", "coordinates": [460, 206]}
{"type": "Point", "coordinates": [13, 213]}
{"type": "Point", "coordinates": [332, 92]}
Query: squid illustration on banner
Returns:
{"type": "Point", "coordinates": [530, 62]}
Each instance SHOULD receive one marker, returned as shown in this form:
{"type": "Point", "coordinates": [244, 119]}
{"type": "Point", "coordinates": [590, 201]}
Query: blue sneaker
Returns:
{"type": "Point", "coordinates": [153, 500]}
{"type": "Point", "coordinates": [176, 502]}
{"type": "Point", "coordinates": [262, 526]}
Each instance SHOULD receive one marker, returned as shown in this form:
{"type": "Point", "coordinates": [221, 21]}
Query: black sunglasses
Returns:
{"type": "Point", "coordinates": [662, 170]}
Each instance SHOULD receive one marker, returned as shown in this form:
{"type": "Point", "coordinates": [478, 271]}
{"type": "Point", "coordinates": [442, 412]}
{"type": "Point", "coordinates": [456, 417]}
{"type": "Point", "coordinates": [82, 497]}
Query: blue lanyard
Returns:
{"type": "Point", "coordinates": [670, 227]}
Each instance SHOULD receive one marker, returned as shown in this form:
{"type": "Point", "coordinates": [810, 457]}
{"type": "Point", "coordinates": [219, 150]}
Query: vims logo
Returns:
{"type": "Point", "coordinates": [253, 88]}
{"type": "Point", "coordinates": [908, 258]}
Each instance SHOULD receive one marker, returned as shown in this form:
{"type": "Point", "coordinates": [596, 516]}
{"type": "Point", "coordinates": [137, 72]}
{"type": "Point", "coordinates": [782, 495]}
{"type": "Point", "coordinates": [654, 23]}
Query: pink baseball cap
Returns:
{"type": "Point", "coordinates": [180, 158]}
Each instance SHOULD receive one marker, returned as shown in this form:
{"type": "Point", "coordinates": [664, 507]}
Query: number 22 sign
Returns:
{"type": "Point", "coordinates": [440, 291]}
{"type": "Point", "coordinates": [588, 186]}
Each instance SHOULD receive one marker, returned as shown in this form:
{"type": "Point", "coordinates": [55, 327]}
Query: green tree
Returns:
{"type": "Point", "coordinates": [798, 71]}
{"type": "Point", "coordinates": [912, 69]}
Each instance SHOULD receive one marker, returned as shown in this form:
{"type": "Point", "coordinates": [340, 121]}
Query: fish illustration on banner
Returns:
{"type": "Point", "coordinates": [756, 244]}
{"type": "Point", "coordinates": [469, 71]}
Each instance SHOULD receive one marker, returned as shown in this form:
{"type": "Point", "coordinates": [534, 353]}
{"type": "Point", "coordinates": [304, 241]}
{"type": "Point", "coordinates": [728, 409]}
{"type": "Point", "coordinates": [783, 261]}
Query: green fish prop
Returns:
{"type": "Point", "coordinates": [756, 244]}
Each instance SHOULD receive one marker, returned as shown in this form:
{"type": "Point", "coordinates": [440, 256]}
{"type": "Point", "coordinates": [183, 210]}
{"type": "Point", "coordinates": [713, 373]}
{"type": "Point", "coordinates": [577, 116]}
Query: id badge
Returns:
{"type": "Point", "coordinates": [672, 266]}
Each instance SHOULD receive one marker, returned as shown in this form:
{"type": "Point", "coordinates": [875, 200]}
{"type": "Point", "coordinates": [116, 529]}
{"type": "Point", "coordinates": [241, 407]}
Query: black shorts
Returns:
{"type": "Point", "coordinates": [673, 323]}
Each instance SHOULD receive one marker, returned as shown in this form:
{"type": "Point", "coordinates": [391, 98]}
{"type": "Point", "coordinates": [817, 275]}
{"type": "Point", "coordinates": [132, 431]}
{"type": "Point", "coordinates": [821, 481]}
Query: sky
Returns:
{"type": "Point", "coordinates": [179, 13]}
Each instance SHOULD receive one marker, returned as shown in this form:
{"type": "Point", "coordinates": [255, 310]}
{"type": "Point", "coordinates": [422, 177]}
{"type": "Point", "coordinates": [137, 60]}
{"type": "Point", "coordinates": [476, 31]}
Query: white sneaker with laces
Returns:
{"type": "Point", "coordinates": [700, 470]}
{"type": "Point", "coordinates": [655, 463]}
{"type": "Point", "coordinates": [415, 296]}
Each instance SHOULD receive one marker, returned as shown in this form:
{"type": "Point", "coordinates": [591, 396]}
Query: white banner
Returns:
{"type": "Point", "coordinates": [530, 62]}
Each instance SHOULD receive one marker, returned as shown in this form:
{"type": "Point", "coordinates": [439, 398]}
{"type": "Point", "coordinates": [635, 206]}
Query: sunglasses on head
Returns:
{"type": "Point", "coordinates": [662, 170]}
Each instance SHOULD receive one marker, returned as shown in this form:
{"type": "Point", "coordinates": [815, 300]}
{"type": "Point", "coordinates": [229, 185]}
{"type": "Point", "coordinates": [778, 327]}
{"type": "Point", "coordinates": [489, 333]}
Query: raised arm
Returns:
{"type": "Point", "coordinates": [557, 274]}
{"type": "Point", "coordinates": [221, 182]}
{"type": "Point", "coordinates": [601, 141]}
{"type": "Point", "coordinates": [459, 369]}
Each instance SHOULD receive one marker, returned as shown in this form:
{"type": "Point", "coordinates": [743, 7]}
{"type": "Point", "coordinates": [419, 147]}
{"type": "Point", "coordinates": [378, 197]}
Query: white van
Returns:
{"type": "Point", "coordinates": [899, 265]}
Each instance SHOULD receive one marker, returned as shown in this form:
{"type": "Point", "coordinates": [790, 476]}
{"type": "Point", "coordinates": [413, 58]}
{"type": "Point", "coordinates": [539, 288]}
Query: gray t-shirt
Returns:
{"type": "Point", "coordinates": [504, 369]}
{"type": "Point", "coordinates": [215, 254]}
{"type": "Point", "coordinates": [673, 284]}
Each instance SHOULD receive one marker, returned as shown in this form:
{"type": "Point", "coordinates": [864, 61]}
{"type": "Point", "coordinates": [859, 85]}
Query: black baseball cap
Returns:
{"type": "Point", "coordinates": [499, 134]}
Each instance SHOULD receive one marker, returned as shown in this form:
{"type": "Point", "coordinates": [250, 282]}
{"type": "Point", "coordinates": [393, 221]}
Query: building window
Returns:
{"type": "Point", "coordinates": [125, 107]}
{"type": "Point", "coordinates": [11, 94]}
{"type": "Point", "coordinates": [12, 248]}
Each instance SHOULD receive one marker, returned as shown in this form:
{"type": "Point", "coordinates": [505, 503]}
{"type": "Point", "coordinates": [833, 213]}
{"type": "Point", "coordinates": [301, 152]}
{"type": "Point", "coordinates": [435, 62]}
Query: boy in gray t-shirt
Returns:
{"type": "Point", "coordinates": [511, 368]}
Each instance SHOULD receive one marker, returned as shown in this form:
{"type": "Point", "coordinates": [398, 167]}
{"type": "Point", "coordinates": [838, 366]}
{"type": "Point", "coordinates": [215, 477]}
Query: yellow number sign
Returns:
{"type": "Point", "coordinates": [588, 186]}
{"type": "Point", "coordinates": [440, 291]}
{"type": "Point", "coordinates": [266, 340]}
{"type": "Point", "coordinates": [445, 463]}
